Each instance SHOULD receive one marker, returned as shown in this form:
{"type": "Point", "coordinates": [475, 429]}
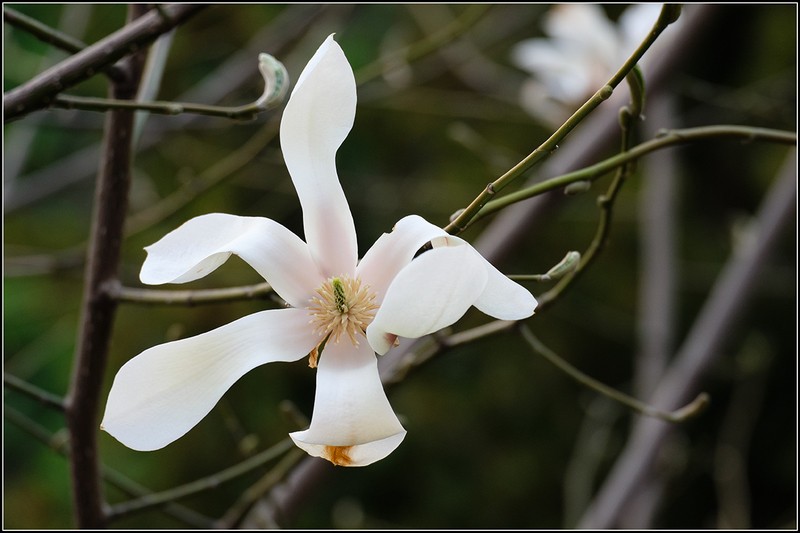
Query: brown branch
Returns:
{"type": "Point", "coordinates": [42, 32]}
{"type": "Point", "coordinates": [38, 92]}
{"type": "Point", "coordinates": [702, 346]}
{"type": "Point", "coordinates": [98, 308]}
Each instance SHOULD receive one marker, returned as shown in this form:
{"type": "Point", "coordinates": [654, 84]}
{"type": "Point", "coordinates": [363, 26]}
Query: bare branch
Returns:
{"type": "Point", "coordinates": [40, 91]}
{"type": "Point", "coordinates": [190, 297]}
{"type": "Point", "coordinates": [701, 347]}
{"type": "Point", "coordinates": [42, 32]}
{"type": "Point", "coordinates": [45, 398]}
{"type": "Point", "coordinates": [98, 308]}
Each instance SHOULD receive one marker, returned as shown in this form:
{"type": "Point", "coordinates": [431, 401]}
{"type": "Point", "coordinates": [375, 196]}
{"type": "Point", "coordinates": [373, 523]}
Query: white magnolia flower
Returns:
{"type": "Point", "coordinates": [341, 311]}
{"type": "Point", "coordinates": [583, 50]}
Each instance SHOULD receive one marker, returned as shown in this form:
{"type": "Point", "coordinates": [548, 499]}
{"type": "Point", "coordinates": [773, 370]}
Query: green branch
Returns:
{"type": "Point", "coordinates": [628, 117]}
{"type": "Point", "coordinates": [89, 103]}
{"type": "Point", "coordinates": [684, 413]}
{"type": "Point", "coordinates": [665, 139]}
{"type": "Point", "coordinates": [203, 484]}
{"type": "Point", "coordinates": [276, 84]}
{"type": "Point", "coordinates": [668, 15]}
{"type": "Point", "coordinates": [42, 396]}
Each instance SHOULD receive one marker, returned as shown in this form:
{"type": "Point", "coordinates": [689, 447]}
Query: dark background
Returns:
{"type": "Point", "coordinates": [494, 431]}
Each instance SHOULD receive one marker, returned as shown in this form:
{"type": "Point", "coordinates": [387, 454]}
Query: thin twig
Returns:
{"type": "Point", "coordinates": [628, 117]}
{"type": "Point", "coordinates": [725, 304]}
{"type": "Point", "coordinates": [690, 410]}
{"type": "Point", "coordinates": [471, 15]}
{"type": "Point", "coordinates": [59, 443]}
{"type": "Point", "coordinates": [221, 81]}
{"type": "Point", "coordinates": [42, 396]}
{"type": "Point", "coordinates": [89, 103]}
{"type": "Point", "coordinates": [234, 516]}
{"type": "Point", "coordinates": [190, 297]}
{"type": "Point", "coordinates": [210, 482]}
{"type": "Point", "coordinates": [549, 146]}
{"type": "Point", "coordinates": [665, 139]}
{"type": "Point", "coordinates": [42, 31]}
{"type": "Point", "coordinates": [213, 175]}
{"type": "Point", "coordinates": [38, 92]}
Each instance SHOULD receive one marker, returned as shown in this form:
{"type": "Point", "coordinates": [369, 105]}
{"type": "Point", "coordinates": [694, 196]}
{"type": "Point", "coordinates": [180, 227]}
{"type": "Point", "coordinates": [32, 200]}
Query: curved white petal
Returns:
{"type": "Point", "coordinates": [393, 251]}
{"type": "Point", "coordinates": [353, 423]}
{"type": "Point", "coordinates": [431, 293]}
{"type": "Point", "coordinates": [543, 57]}
{"type": "Point", "coordinates": [203, 243]}
{"type": "Point", "coordinates": [166, 390]}
{"type": "Point", "coordinates": [503, 298]}
{"type": "Point", "coordinates": [317, 118]}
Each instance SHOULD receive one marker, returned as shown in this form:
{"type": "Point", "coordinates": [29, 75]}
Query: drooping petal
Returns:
{"type": "Point", "coordinates": [503, 298]}
{"type": "Point", "coordinates": [203, 243]}
{"type": "Point", "coordinates": [166, 390]}
{"type": "Point", "coordinates": [353, 423]}
{"type": "Point", "coordinates": [431, 293]}
{"type": "Point", "coordinates": [393, 251]}
{"type": "Point", "coordinates": [317, 118]}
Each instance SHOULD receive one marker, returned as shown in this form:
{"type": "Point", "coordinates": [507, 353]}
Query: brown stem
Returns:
{"type": "Point", "coordinates": [702, 346]}
{"type": "Point", "coordinates": [39, 91]}
{"type": "Point", "coordinates": [97, 314]}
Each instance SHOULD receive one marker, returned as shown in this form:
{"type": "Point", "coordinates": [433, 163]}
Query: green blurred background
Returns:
{"type": "Point", "coordinates": [493, 428]}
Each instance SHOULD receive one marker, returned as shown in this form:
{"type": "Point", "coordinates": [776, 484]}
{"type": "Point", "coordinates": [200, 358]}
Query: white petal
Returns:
{"type": "Point", "coordinates": [203, 243]}
{"type": "Point", "coordinates": [564, 68]}
{"type": "Point", "coordinates": [538, 56]}
{"type": "Point", "coordinates": [353, 423]}
{"type": "Point", "coordinates": [317, 118]}
{"type": "Point", "coordinates": [503, 298]}
{"type": "Point", "coordinates": [166, 390]}
{"type": "Point", "coordinates": [393, 251]}
{"type": "Point", "coordinates": [431, 293]}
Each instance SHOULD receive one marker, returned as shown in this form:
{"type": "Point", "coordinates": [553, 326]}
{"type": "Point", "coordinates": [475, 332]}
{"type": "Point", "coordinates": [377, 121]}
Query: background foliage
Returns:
{"type": "Point", "coordinates": [494, 431]}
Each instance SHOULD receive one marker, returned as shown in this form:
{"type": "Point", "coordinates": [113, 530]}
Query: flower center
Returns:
{"type": "Point", "coordinates": [342, 305]}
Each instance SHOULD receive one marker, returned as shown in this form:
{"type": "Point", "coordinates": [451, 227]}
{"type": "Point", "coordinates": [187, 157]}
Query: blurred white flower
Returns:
{"type": "Point", "coordinates": [341, 310]}
{"type": "Point", "coordinates": [583, 50]}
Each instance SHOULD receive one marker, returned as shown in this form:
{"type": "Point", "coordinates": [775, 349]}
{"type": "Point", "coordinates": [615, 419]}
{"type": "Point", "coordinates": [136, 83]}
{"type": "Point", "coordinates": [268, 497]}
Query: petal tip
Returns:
{"type": "Point", "coordinates": [351, 455]}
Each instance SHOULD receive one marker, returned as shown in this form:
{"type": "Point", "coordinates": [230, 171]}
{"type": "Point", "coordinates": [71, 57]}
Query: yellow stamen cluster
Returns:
{"type": "Point", "coordinates": [342, 305]}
